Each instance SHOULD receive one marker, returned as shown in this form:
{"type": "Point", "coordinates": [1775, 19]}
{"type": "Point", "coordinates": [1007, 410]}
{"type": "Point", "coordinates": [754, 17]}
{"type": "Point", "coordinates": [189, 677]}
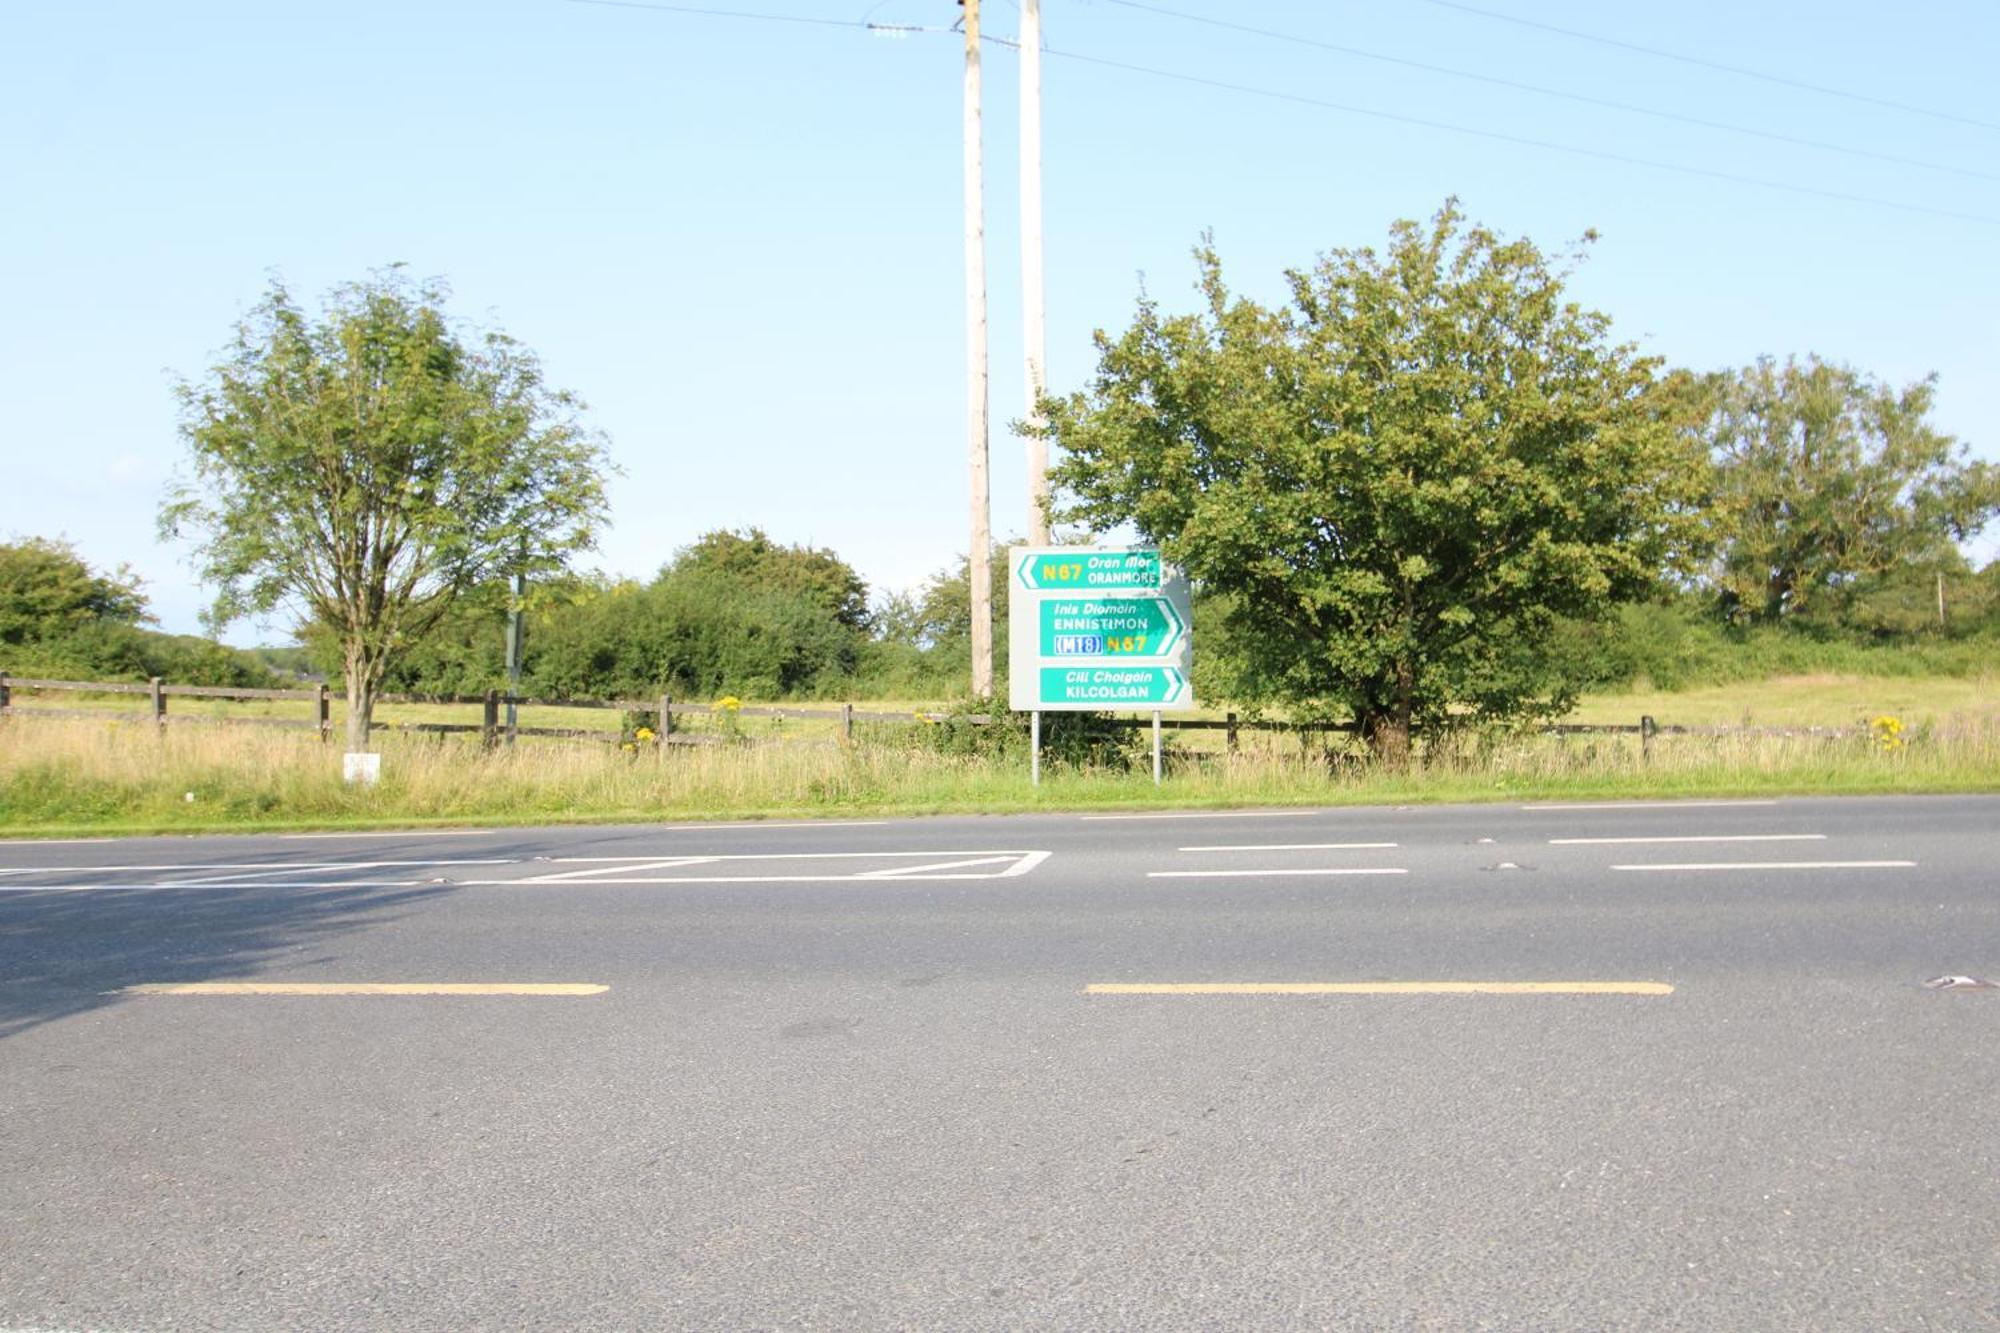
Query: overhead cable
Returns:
{"type": "Point", "coordinates": [1519, 86]}
{"type": "Point", "coordinates": [1739, 70]}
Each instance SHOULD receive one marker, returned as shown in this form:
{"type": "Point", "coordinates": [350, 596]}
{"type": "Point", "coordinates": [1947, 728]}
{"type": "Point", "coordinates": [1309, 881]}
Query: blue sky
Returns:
{"type": "Point", "coordinates": [740, 240]}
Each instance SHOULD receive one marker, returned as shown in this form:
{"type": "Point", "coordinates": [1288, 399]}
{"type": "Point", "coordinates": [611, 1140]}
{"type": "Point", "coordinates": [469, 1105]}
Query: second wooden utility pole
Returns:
{"type": "Point", "coordinates": [1033, 325]}
{"type": "Point", "coordinates": [981, 571]}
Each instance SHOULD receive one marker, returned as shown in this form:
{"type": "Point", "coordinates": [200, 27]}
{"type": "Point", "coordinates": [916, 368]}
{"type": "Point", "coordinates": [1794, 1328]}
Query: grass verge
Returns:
{"type": "Point", "coordinates": [82, 777]}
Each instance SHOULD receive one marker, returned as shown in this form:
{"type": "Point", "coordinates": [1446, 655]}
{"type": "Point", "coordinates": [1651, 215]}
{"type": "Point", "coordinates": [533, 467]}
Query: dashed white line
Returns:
{"type": "Point", "coordinates": [1292, 847]}
{"type": "Point", "coordinates": [1692, 837]}
{"type": "Point", "coordinates": [1261, 874]}
{"type": "Point", "coordinates": [1777, 865]}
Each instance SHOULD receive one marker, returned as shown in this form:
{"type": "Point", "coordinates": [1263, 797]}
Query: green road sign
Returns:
{"type": "Point", "coordinates": [1085, 569]}
{"type": "Point", "coordinates": [1092, 627]}
{"type": "Point", "coordinates": [1110, 627]}
{"type": "Point", "coordinates": [1112, 686]}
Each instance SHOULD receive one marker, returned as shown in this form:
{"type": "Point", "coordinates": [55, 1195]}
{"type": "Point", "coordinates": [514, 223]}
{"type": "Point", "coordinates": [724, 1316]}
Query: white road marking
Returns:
{"type": "Point", "coordinates": [662, 828]}
{"type": "Point", "coordinates": [616, 870]}
{"type": "Point", "coordinates": [372, 988]}
{"type": "Point", "coordinates": [1260, 874]}
{"type": "Point", "coordinates": [404, 833]}
{"type": "Point", "coordinates": [1776, 865]}
{"type": "Point", "coordinates": [1207, 814]}
{"type": "Point", "coordinates": [589, 871]}
{"type": "Point", "coordinates": [1291, 847]}
{"type": "Point", "coordinates": [894, 872]}
{"type": "Point", "coordinates": [237, 875]}
{"type": "Point", "coordinates": [1693, 837]}
{"type": "Point", "coordinates": [1645, 805]}
{"type": "Point", "coordinates": [237, 884]}
{"type": "Point", "coordinates": [276, 868]}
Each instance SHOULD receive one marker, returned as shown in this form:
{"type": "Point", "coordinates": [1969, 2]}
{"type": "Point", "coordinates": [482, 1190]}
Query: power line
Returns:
{"type": "Point", "coordinates": [1500, 137]}
{"type": "Point", "coordinates": [1516, 84]}
{"type": "Point", "coordinates": [1779, 79]}
{"type": "Point", "coordinates": [726, 13]}
{"type": "Point", "coordinates": [1302, 100]}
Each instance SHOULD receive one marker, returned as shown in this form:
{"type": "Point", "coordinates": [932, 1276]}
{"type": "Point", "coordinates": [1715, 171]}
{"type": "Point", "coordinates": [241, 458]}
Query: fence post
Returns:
{"type": "Point", "coordinates": [1233, 741]}
{"type": "Point", "coordinates": [513, 718]}
{"type": "Point", "coordinates": [159, 698]}
{"type": "Point", "coordinates": [325, 714]}
{"type": "Point", "coordinates": [847, 724]}
{"type": "Point", "coordinates": [489, 727]}
{"type": "Point", "coordinates": [1647, 730]}
{"type": "Point", "coordinates": [666, 716]}
{"type": "Point", "coordinates": [6, 694]}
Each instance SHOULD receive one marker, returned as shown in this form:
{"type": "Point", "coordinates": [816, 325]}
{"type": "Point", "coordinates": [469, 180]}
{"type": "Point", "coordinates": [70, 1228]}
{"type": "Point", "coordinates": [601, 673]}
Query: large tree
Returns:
{"type": "Point", "coordinates": [1830, 482]}
{"type": "Point", "coordinates": [47, 591]}
{"type": "Point", "coordinates": [1398, 480]}
{"type": "Point", "coordinates": [752, 558]}
{"type": "Point", "coordinates": [366, 466]}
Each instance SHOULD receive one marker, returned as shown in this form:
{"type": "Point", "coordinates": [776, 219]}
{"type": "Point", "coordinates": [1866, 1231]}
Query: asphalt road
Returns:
{"type": "Point", "coordinates": [854, 1075]}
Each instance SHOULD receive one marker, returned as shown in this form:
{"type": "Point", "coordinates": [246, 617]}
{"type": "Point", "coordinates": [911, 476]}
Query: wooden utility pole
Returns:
{"type": "Point", "coordinates": [1034, 331]}
{"type": "Point", "coordinates": [975, 368]}
{"type": "Point", "coordinates": [514, 655]}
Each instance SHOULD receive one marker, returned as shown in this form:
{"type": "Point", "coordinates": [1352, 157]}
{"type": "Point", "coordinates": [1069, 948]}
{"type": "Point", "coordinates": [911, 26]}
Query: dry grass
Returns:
{"type": "Point", "coordinates": [106, 775]}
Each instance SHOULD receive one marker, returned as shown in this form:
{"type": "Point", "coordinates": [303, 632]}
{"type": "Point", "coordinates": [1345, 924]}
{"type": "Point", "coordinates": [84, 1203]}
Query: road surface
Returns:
{"type": "Point", "coordinates": [1595, 1066]}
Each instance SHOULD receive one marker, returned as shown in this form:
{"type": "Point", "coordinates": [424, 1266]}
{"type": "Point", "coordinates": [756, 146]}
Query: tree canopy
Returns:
{"type": "Point", "coordinates": [1397, 481]}
{"type": "Point", "coordinates": [1830, 485]}
{"type": "Point", "coordinates": [47, 591]}
{"type": "Point", "coordinates": [367, 466]}
{"type": "Point", "coordinates": [751, 558]}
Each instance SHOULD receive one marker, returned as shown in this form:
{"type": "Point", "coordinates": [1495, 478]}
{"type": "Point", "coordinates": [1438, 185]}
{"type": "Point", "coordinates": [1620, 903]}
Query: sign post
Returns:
{"type": "Point", "coordinates": [1097, 628]}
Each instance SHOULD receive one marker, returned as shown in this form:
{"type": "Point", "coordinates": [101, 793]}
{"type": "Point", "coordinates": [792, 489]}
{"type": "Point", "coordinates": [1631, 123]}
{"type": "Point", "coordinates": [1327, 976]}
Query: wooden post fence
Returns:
{"type": "Point", "coordinates": [325, 713]}
{"type": "Point", "coordinates": [489, 725]}
{"type": "Point", "coordinates": [159, 697]}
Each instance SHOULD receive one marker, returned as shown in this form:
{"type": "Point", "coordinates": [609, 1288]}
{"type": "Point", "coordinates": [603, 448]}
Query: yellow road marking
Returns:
{"type": "Point", "coordinates": [1380, 988]}
{"type": "Point", "coordinates": [366, 988]}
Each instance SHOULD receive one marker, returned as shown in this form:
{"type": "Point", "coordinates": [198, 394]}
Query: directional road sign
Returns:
{"type": "Point", "coordinates": [1113, 687]}
{"type": "Point", "coordinates": [1110, 627]}
{"type": "Point", "coordinates": [1097, 627]}
{"type": "Point", "coordinates": [1084, 568]}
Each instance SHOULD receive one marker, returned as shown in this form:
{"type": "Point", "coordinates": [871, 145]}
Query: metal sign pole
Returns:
{"type": "Point", "coordinates": [1156, 747]}
{"type": "Point", "coordinates": [1035, 749]}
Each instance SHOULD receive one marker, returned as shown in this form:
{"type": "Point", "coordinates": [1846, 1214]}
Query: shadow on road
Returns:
{"type": "Point", "coordinates": [63, 953]}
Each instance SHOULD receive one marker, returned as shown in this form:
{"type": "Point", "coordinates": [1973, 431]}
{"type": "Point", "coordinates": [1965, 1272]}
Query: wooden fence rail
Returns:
{"type": "Point", "coordinates": [492, 731]}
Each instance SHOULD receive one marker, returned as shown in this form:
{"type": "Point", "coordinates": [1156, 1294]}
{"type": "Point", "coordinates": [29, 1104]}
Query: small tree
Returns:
{"type": "Point", "coordinates": [1398, 482]}
{"type": "Point", "coordinates": [1828, 482]}
{"type": "Point", "coordinates": [365, 468]}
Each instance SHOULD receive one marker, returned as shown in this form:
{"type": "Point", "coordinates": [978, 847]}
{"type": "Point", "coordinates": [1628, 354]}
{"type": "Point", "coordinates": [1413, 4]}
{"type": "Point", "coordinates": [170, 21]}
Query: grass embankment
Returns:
{"type": "Point", "coordinates": [87, 776]}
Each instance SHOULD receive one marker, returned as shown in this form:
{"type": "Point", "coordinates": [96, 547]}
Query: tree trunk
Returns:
{"type": "Point", "coordinates": [1388, 738]}
{"type": "Point", "coordinates": [360, 707]}
{"type": "Point", "coordinates": [1387, 726]}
